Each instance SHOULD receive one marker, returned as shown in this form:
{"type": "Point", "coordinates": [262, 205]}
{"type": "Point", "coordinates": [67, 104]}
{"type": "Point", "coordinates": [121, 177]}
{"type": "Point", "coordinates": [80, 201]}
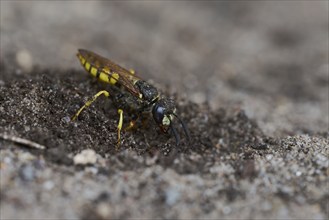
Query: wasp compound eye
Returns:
{"type": "Point", "coordinates": [158, 113]}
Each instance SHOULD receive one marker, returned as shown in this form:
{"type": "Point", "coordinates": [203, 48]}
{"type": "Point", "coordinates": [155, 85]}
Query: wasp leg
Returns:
{"type": "Point", "coordinates": [120, 112]}
{"type": "Point", "coordinates": [89, 102]}
{"type": "Point", "coordinates": [132, 71]}
{"type": "Point", "coordinates": [145, 122]}
{"type": "Point", "coordinates": [132, 123]}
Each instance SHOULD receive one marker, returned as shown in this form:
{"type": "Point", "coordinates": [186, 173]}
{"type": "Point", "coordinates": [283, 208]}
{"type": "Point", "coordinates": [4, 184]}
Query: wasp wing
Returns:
{"type": "Point", "coordinates": [124, 77]}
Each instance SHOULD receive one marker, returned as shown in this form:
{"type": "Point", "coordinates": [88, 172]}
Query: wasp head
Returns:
{"type": "Point", "coordinates": [164, 111]}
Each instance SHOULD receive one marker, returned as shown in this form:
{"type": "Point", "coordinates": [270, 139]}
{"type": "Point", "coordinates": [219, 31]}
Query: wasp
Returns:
{"type": "Point", "coordinates": [130, 94]}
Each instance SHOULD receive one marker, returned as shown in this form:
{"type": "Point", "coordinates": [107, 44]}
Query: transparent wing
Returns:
{"type": "Point", "coordinates": [126, 78]}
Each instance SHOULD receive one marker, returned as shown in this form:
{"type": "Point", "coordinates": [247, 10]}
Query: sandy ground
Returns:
{"type": "Point", "coordinates": [249, 78]}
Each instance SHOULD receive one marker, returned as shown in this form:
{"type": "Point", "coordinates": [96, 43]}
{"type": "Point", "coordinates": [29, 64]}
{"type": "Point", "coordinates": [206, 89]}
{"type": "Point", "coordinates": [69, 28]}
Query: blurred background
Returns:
{"type": "Point", "coordinates": [269, 58]}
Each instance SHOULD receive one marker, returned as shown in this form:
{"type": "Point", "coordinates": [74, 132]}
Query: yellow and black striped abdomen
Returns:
{"type": "Point", "coordinates": [103, 73]}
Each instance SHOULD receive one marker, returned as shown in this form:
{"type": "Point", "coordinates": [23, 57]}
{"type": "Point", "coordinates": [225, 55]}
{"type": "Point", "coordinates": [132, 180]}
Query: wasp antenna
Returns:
{"type": "Point", "coordinates": [187, 133]}
{"type": "Point", "coordinates": [175, 133]}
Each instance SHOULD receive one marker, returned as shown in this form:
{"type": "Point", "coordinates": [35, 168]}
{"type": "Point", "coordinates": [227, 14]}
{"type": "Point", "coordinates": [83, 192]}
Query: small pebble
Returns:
{"type": "Point", "coordinates": [172, 195]}
{"type": "Point", "coordinates": [85, 157]}
{"type": "Point", "coordinates": [226, 210]}
{"type": "Point", "coordinates": [48, 185]}
{"type": "Point", "coordinates": [24, 60]}
{"type": "Point", "coordinates": [104, 210]}
{"type": "Point", "coordinates": [7, 160]}
{"type": "Point", "coordinates": [269, 156]}
{"type": "Point", "coordinates": [66, 119]}
{"type": "Point", "coordinates": [27, 173]}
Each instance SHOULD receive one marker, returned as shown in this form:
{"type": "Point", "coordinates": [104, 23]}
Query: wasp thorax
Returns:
{"type": "Point", "coordinates": [163, 111]}
{"type": "Point", "coordinates": [148, 91]}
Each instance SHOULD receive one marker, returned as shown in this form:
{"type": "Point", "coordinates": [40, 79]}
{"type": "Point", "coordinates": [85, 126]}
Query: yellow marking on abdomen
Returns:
{"type": "Point", "coordinates": [82, 60]}
{"type": "Point", "coordinates": [111, 78]}
{"type": "Point", "coordinates": [114, 78]}
{"type": "Point", "coordinates": [87, 66]}
{"type": "Point", "coordinates": [93, 71]}
{"type": "Point", "coordinates": [104, 77]}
